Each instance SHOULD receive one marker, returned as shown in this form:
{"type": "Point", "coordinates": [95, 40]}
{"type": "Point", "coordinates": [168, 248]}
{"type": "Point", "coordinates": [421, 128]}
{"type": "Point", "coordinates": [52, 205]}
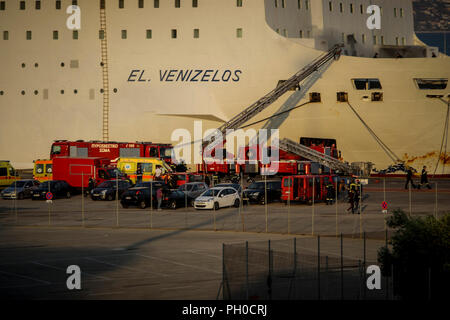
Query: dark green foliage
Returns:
{"type": "Point", "coordinates": [420, 250]}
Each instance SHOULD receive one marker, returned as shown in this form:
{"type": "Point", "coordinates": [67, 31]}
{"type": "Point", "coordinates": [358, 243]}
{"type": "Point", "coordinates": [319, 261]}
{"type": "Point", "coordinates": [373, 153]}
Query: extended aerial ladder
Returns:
{"type": "Point", "coordinates": [313, 155]}
{"type": "Point", "coordinates": [257, 107]}
{"type": "Point", "coordinates": [272, 96]}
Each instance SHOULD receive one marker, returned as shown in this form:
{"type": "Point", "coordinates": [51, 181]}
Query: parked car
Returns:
{"type": "Point", "coordinates": [20, 189]}
{"type": "Point", "coordinates": [231, 185]}
{"type": "Point", "coordinates": [139, 195]}
{"type": "Point", "coordinates": [218, 197]}
{"type": "Point", "coordinates": [107, 189]}
{"type": "Point", "coordinates": [59, 189]}
{"type": "Point", "coordinates": [193, 190]}
{"type": "Point", "coordinates": [255, 193]}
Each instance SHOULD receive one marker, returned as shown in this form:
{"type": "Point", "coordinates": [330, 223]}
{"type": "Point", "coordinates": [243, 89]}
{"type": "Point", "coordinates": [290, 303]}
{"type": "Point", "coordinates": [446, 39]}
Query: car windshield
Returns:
{"type": "Point", "coordinates": [44, 185]}
{"type": "Point", "coordinates": [113, 172]}
{"type": "Point", "coordinates": [210, 192]}
{"type": "Point", "coordinates": [185, 187]}
{"type": "Point", "coordinates": [257, 185]}
{"type": "Point", "coordinates": [106, 184]}
{"type": "Point", "coordinates": [18, 184]}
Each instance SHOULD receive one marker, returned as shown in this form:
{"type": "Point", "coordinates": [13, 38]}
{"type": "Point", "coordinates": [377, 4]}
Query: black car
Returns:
{"type": "Point", "coordinates": [107, 189]}
{"type": "Point", "coordinates": [58, 188]}
{"type": "Point", "coordinates": [255, 192]}
{"type": "Point", "coordinates": [139, 195]}
{"type": "Point", "coordinates": [19, 189]}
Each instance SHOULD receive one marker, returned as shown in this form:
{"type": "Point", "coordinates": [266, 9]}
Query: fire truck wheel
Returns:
{"type": "Point", "coordinates": [216, 206]}
{"type": "Point", "coordinates": [309, 202]}
{"type": "Point", "coordinates": [93, 198]}
{"type": "Point", "coordinates": [236, 203]}
{"type": "Point", "coordinates": [68, 195]}
{"type": "Point", "coordinates": [142, 205]}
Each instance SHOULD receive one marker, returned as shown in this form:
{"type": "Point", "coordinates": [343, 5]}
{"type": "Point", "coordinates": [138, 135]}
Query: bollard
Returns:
{"type": "Point", "coordinates": [318, 267]}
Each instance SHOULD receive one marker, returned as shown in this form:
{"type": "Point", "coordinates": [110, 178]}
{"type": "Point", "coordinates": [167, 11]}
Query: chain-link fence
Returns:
{"type": "Point", "coordinates": [299, 214]}
{"type": "Point", "coordinates": [312, 268]}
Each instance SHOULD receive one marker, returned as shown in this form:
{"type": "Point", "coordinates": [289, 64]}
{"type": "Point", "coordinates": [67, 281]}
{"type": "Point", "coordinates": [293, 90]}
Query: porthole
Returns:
{"type": "Point", "coordinates": [1, 93]}
{"type": "Point", "coordinates": [115, 90]}
{"type": "Point", "coordinates": [36, 92]}
{"type": "Point", "coordinates": [62, 64]}
{"type": "Point", "coordinates": [101, 64]}
{"type": "Point", "coordinates": [62, 91]}
{"type": "Point", "coordinates": [23, 65]}
{"type": "Point", "coordinates": [23, 92]}
{"type": "Point", "coordinates": [101, 90]}
{"type": "Point", "coordinates": [36, 65]}
{"type": "Point", "coordinates": [75, 91]}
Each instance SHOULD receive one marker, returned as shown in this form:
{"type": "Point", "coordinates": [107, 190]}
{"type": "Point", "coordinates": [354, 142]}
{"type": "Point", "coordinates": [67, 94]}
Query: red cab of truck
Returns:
{"type": "Point", "coordinates": [77, 171]}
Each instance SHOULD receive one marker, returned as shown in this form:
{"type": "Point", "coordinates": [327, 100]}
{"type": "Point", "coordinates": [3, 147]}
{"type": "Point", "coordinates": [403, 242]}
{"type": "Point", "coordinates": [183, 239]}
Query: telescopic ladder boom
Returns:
{"type": "Point", "coordinates": [281, 89]}
{"type": "Point", "coordinates": [313, 155]}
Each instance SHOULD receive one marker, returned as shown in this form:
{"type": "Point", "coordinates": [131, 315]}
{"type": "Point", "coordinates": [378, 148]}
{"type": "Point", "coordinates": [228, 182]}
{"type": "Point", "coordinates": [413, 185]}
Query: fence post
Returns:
{"type": "Point", "coordinates": [364, 265]}
{"type": "Point", "coordinates": [360, 279]}
{"type": "Point", "coordinates": [436, 200]}
{"type": "Point", "coordinates": [265, 202]}
{"type": "Point", "coordinates": [313, 195]}
{"type": "Point", "coordinates": [82, 199]}
{"type": "Point", "coordinates": [269, 278]}
{"type": "Point", "coordinates": [342, 266]}
{"type": "Point", "coordinates": [409, 192]}
{"type": "Point", "coordinates": [360, 206]}
{"type": "Point", "coordinates": [246, 269]}
{"type": "Point", "coordinates": [429, 283]}
{"type": "Point", "coordinates": [223, 271]}
{"type": "Point", "coordinates": [15, 196]}
{"type": "Point", "coordinates": [117, 192]}
{"type": "Point", "coordinates": [151, 206]}
{"type": "Point", "coordinates": [49, 206]}
{"type": "Point", "coordinates": [318, 267]}
{"type": "Point", "coordinates": [336, 206]}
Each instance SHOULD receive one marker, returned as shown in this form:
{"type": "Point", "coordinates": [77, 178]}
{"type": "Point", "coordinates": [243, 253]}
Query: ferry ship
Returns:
{"type": "Point", "coordinates": [136, 70]}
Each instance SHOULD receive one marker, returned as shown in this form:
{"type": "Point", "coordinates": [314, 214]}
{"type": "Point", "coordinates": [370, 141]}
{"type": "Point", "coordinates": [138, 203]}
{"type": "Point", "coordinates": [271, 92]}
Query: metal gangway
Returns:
{"type": "Point", "coordinates": [313, 155]}
{"type": "Point", "coordinates": [282, 88]}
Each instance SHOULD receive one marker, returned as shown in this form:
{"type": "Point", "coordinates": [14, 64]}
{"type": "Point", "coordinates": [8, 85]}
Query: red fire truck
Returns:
{"type": "Point", "coordinates": [302, 187]}
{"type": "Point", "coordinates": [110, 150]}
{"type": "Point", "coordinates": [77, 171]}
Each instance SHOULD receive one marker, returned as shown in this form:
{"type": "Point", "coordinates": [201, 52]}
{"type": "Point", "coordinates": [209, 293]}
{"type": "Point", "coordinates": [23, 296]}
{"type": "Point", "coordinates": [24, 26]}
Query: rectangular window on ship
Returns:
{"type": "Point", "coordinates": [431, 84]}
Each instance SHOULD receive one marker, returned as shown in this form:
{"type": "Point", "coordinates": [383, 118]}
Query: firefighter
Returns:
{"type": "Point", "coordinates": [409, 175]}
{"type": "Point", "coordinates": [138, 173]}
{"type": "Point", "coordinates": [91, 186]}
{"type": "Point", "coordinates": [424, 178]}
{"type": "Point", "coordinates": [341, 189]}
{"type": "Point", "coordinates": [351, 200]}
{"type": "Point", "coordinates": [356, 198]}
{"type": "Point", "coordinates": [330, 193]}
{"type": "Point", "coordinates": [353, 185]}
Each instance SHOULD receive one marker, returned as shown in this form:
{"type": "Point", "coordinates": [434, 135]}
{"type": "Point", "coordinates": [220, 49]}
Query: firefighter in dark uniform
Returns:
{"type": "Point", "coordinates": [409, 175]}
{"type": "Point", "coordinates": [330, 193]}
{"type": "Point", "coordinates": [91, 186]}
{"type": "Point", "coordinates": [351, 200]}
{"type": "Point", "coordinates": [424, 178]}
{"type": "Point", "coordinates": [356, 198]}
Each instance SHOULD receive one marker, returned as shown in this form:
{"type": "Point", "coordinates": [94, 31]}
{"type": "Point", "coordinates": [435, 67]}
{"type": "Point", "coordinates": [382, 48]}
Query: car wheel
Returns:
{"type": "Point", "coordinates": [236, 203]}
{"type": "Point", "coordinates": [110, 197]}
{"type": "Point", "coordinates": [172, 204]}
{"type": "Point", "coordinates": [20, 196]}
{"type": "Point", "coordinates": [68, 195]}
{"type": "Point", "coordinates": [93, 198]}
{"type": "Point", "coordinates": [216, 206]}
{"type": "Point", "coordinates": [142, 204]}
{"type": "Point", "coordinates": [124, 205]}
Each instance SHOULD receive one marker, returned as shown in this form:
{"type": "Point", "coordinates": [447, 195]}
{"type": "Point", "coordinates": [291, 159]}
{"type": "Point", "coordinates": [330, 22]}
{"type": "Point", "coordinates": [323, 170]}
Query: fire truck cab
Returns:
{"type": "Point", "coordinates": [43, 170]}
{"type": "Point", "coordinates": [303, 188]}
{"type": "Point", "coordinates": [7, 174]}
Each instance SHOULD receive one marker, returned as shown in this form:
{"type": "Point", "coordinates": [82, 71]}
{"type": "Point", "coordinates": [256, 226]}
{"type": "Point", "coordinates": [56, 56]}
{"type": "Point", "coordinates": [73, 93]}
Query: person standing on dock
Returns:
{"type": "Point", "coordinates": [424, 178]}
{"type": "Point", "coordinates": [330, 193]}
{"type": "Point", "coordinates": [351, 200]}
{"type": "Point", "coordinates": [409, 179]}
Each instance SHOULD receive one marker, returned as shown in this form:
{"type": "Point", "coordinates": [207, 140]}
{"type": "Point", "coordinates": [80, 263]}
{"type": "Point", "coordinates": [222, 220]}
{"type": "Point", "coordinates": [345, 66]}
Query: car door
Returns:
{"type": "Point", "coordinates": [232, 195]}
{"type": "Point", "coordinates": [222, 198]}
{"type": "Point", "coordinates": [27, 188]}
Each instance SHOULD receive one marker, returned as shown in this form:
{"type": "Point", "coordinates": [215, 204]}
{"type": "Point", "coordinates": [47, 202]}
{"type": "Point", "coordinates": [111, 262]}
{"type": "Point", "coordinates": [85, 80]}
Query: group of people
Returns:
{"type": "Point", "coordinates": [423, 179]}
{"type": "Point", "coordinates": [353, 191]}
